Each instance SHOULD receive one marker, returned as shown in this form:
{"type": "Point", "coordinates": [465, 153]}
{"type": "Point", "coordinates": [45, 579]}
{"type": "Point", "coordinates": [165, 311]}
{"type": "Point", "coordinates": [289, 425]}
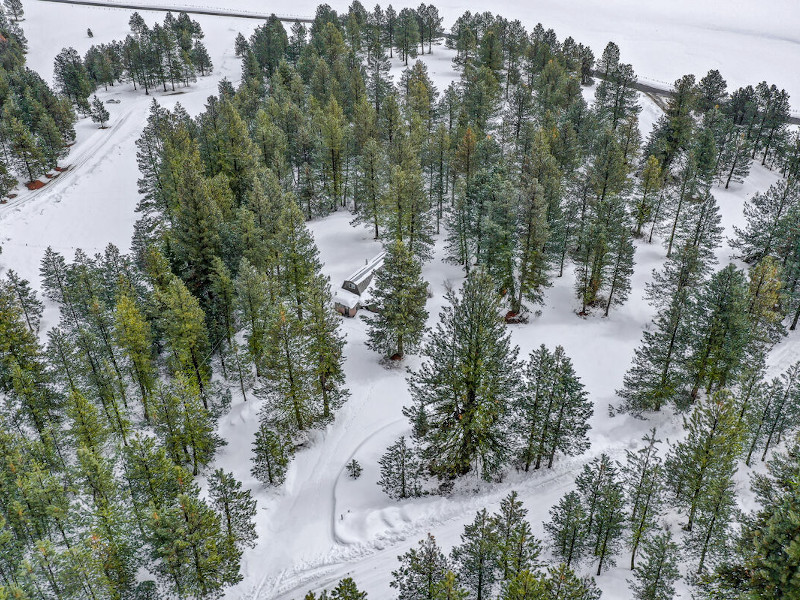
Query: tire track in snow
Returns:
{"type": "Point", "coordinates": [343, 558]}
{"type": "Point", "coordinates": [87, 153]}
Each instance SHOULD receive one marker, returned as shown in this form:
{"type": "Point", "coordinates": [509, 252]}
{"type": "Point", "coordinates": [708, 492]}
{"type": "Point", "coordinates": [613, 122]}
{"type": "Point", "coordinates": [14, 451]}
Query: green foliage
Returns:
{"type": "Point", "coordinates": [400, 295]}
{"type": "Point", "coordinates": [466, 384]}
{"type": "Point", "coordinates": [552, 410]}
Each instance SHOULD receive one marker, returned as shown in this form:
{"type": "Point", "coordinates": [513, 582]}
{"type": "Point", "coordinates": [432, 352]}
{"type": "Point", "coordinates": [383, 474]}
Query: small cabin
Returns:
{"type": "Point", "coordinates": [359, 281]}
{"type": "Point", "coordinates": [349, 298]}
{"type": "Point", "coordinates": [346, 303]}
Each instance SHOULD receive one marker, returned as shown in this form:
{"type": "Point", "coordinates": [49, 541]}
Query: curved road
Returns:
{"type": "Point", "coordinates": [186, 9]}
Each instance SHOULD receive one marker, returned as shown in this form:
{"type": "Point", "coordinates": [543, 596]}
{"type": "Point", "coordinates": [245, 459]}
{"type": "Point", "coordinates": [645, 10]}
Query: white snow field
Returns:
{"type": "Point", "coordinates": [321, 525]}
{"type": "Point", "coordinates": [663, 40]}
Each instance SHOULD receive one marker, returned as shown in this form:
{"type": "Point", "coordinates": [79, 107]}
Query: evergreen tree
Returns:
{"type": "Point", "coordinates": [709, 535]}
{"type": "Point", "coordinates": [406, 34]}
{"type": "Point", "coordinates": [734, 157]}
{"type": "Point", "coordinates": [562, 583]}
{"type": "Point", "coordinates": [707, 455]}
{"type": "Point", "coordinates": [186, 334]}
{"type": "Point", "coordinates": [407, 212]}
{"type": "Point", "coordinates": [466, 384]}
{"type": "Point", "coordinates": [370, 186]}
{"type": "Point", "coordinates": [422, 572]}
{"type": "Point", "coordinates": [655, 376]}
{"type": "Point", "coordinates": [721, 332]}
{"type": "Point", "coordinates": [764, 564]}
{"type": "Point", "coordinates": [186, 541]}
{"type": "Point", "coordinates": [642, 477]}
{"type": "Point", "coordinates": [14, 7]}
{"type": "Point", "coordinates": [401, 471]}
{"type": "Point", "coordinates": [769, 216]}
{"type": "Point", "coordinates": [27, 156]}
{"type": "Point", "coordinates": [774, 413]}
{"type": "Point", "coordinates": [31, 306]}
{"type": "Point", "coordinates": [288, 374]}
{"type": "Point", "coordinates": [271, 456]}
{"type": "Point", "coordinates": [326, 345]}
{"type": "Point", "coordinates": [187, 428]}
{"type": "Point", "coordinates": [346, 589]}
{"type": "Point", "coordinates": [552, 411]}
{"type": "Point", "coordinates": [518, 549]}
{"type": "Point", "coordinates": [99, 113]}
{"type": "Point", "coordinates": [477, 558]}
{"type": "Point", "coordinates": [7, 181]}
{"type": "Point", "coordinates": [72, 78]}
{"type": "Point", "coordinates": [566, 529]}
{"type": "Point", "coordinates": [646, 200]}
{"type": "Point", "coordinates": [655, 577]}
{"type": "Point", "coordinates": [236, 509]}
{"type": "Point", "coordinates": [400, 294]}
{"type": "Point", "coordinates": [602, 497]}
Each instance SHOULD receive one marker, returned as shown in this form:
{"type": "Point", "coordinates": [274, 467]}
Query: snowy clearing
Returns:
{"type": "Point", "coordinates": [320, 525]}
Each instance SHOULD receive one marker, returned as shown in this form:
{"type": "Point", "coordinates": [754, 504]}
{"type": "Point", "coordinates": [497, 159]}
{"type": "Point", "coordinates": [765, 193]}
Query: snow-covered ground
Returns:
{"type": "Point", "coordinates": [321, 525]}
{"type": "Point", "coordinates": [662, 39]}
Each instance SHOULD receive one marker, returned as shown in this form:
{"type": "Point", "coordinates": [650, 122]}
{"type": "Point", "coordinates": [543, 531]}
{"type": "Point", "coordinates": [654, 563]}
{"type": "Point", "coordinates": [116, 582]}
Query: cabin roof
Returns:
{"type": "Point", "coordinates": [366, 271]}
{"type": "Point", "coordinates": [347, 299]}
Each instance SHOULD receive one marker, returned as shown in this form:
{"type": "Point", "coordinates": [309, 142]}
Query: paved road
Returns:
{"type": "Point", "coordinates": [190, 10]}
{"type": "Point", "coordinates": [667, 92]}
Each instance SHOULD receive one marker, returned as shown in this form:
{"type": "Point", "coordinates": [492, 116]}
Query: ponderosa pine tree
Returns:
{"type": "Point", "coordinates": [769, 216]}
{"type": "Point", "coordinates": [644, 203]}
{"type": "Point", "coordinates": [734, 157]}
{"type": "Point", "coordinates": [721, 332]}
{"type": "Point", "coordinates": [533, 260]}
{"type": "Point", "coordinates": [235, 507]}
{"type": "Point", "coordinates": [656, 575]}
{"type": "Point", "coordinates": [707, 454]}
{"type": "Point", "coordinates": [14, 7]}
{"type": "Point", "coordinates": [254, 291]}
{"type": "Point", "coordinates": [298, 258]}
{"type": "Point", "coordinates": [326, 345]}
{"type": "Point", "coordinates": [271, 455]}
{"type": "Point", "coordinates": [642, 477]}
{"type": "Point", "coordinates": [615, 98]}
{"type": "Point", "coordinates": [185, 330]}
{"type": "Point", "coordinates": [466, 384]}
{"type": "Point", "coordinates": [187, 543]}
{"type": "Point", "coordinates": [553, 409]}
{"type": "Point", "coordinates": [518, 549]}
{"type": "Point", "coordinates": [408, 215]}
{"type": "Point", "coordinates": [401, 471]}
{"type": "Point", "coordinates": [288, 374]}
{"type": "Point", "coordinates": [603, 501]}
{"type": "Point", "coordinates": [763, 565]}
{"type": "Point", "coordinates": [774, 414]}
{"type": "Point", "coordinates": [7, 181]}
{"type": "Point", "coordinates": [656, 376]}
{"type": "Point", "coordinates": [406, 34]}
{"type": "Point", "coordinates": [566, 529]}
{"type": "Point", "coordinates": [422, 572]}
{"type": "Point", "coordinates": [370, 191]}
{"type": "Point", "coordinates": [764, 307]}
{"type": "Point", "coordinates": [477, 558]}
{"type": "Point", "coordinates": [99, 113]}
{"type": "Point", "coordinates": [400, 294]}
{"type": "Point", "coordinates": [186, 427]}
{"type": "Point", "coordinates": [709, 535]}
{"type": "Point", "coordinates": [31, 306]}
{"type": "Point", "coordinates": [132, 334]}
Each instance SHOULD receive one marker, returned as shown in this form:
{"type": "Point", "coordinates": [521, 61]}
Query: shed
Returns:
{"type": "Point", "coordinates": [358, 282]}
{"type": "Point", "coordinates": [346, 303]}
